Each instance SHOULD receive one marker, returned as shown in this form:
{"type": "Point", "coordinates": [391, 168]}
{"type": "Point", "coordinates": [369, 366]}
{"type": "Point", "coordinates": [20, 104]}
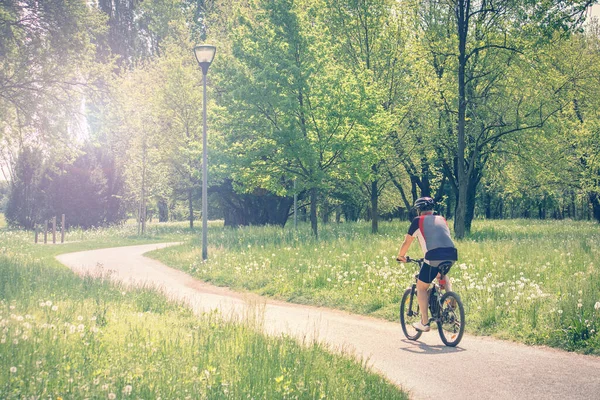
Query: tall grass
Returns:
{"type": "Point", "coordinates": [62, 336]}
{"type": "Point", "coordinates": [532, 281]}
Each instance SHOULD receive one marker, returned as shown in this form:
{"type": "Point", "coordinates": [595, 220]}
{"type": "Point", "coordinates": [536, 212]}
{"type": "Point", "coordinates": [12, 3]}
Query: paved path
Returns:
{"type": "Point", "coordinates": [480, 368]}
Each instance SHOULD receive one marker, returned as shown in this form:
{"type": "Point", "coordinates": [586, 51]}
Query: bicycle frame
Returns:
{"type": "Point", "coordinates": [434, 290]}
{"type": "Point", "coordinates": [448, 316]}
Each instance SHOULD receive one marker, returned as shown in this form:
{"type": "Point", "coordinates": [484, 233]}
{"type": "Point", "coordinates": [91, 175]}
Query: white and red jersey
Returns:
{"type": "Point", "coordinates": [434, 237]}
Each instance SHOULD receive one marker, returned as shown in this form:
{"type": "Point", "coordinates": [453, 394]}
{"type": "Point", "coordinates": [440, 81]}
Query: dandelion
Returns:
{"type": "Point", "coordinates": [54, 308]}
{"type": "Point", "coordinates": [597, 305]}
{"type": "Point", "coordinates": [13, 370]}
{"type": "Point", "coordinates": [560, 311]}
{"type": "Point", "coordinates": [127, 390]}
{"type": "Point", "coordinates": [112, 396]}
{"type": "Point", "coordinates": [579, 305]}
{"type": "Point", "coordinates": [48, 303]}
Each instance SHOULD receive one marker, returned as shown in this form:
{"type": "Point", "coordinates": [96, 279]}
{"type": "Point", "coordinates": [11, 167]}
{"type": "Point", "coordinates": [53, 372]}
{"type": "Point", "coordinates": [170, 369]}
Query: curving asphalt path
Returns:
{"type": "Point", "coordinates": [479, 368]}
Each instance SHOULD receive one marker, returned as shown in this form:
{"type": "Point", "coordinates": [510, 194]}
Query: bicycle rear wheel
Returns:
{"type": "Point", "coordinates": [409, 313]}
{"type": "Point", "coordinates": [451, 325]}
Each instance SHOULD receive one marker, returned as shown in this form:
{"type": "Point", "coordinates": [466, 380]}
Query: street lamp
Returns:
{"type": "Point", "coordinates": [204, 55]}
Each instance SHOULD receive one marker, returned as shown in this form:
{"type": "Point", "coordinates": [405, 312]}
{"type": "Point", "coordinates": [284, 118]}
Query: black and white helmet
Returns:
{"type": "Point", "coordinates": [424, 204]}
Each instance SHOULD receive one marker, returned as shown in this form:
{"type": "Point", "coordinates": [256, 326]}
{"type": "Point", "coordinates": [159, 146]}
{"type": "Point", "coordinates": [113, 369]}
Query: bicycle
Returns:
{"type": "Point", "coordinates": [446, 311]}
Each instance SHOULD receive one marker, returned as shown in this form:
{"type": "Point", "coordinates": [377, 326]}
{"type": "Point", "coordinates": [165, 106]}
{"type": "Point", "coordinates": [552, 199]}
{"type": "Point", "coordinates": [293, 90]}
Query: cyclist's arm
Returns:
{"type": "Point", "coordinates": [408, 239]}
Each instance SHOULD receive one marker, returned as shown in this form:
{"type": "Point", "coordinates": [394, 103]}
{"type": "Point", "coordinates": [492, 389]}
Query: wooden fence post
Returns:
{"type": "Point", "coordinates": [54, 230]}
{"type": "Point", "coordinates": [45, 231]}
{"type": "Point", "coordinates": [62, 229]}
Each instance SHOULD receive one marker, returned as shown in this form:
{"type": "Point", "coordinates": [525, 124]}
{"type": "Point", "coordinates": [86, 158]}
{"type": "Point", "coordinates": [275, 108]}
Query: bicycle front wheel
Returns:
{"type": "Point", "coordinates": [451, 325]}
{"type": "Point", "coordinates": [409, 314]}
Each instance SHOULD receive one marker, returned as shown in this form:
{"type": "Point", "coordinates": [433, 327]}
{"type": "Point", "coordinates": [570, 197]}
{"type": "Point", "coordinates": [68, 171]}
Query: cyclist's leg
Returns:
{"type": "Point", "coordinates": [423, 299]}
{"type": "Point", "coordinates": [426, 276]}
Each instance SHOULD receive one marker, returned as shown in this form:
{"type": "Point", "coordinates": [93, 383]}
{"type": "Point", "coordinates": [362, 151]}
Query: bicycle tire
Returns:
{"type": "Point", "coordinates": [406, 320]}
{"type": "Point", "coordinates": [451, 325]}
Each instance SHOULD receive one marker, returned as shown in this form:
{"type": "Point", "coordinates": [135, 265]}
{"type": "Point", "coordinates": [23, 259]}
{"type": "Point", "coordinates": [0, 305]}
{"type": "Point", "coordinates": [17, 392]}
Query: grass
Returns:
{"type": "Point", "coordinates": [62, 336]}
{"type": "Point", "coordinates": [536, 282]}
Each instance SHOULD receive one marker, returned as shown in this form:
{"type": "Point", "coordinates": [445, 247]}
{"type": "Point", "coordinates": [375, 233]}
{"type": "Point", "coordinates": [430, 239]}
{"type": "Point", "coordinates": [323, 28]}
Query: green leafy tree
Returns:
{"type": "Point", "coordinates": [498, 85]}
{"type": "Point", "coordinates": [25, 204]}
{"type": "Point", "coordinates": [47, 67]}
{"type": "Point", "coordinates": [371, 38]}
{"type": "Point", "coordinates": [292, 110]}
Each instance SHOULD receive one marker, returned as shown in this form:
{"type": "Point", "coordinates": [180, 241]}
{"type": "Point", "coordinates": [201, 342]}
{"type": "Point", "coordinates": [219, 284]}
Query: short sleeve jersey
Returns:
{"type": "Point", "coordinates": [434, 237]}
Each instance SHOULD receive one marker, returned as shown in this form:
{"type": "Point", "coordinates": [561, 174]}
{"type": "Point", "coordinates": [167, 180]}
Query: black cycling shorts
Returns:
{"type": "Point", "coordinates": [428, 273]}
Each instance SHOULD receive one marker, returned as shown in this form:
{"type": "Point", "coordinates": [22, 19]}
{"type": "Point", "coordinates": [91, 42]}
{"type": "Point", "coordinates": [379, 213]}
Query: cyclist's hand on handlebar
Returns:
{"type": "Point", "coordinates": [401, 259]}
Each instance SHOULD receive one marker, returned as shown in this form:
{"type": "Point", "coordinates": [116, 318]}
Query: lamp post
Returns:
{"type": "Point", "coordinates": [204, 55]}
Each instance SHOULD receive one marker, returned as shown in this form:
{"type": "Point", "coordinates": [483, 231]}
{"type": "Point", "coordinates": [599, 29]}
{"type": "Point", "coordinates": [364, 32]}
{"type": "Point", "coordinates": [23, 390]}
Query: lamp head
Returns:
{"type": "Point", "coordinates": [204, 55]}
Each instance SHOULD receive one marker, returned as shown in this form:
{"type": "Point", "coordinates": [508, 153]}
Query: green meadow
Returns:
{"type": "Point", "coordinates": [532, 281]}
{"type": "Point", "coordinates": [64, 337]}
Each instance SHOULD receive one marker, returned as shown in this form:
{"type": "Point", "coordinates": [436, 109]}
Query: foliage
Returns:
{"type": "Point", "coordinates": [47, 54]}
{"type": "Point", "coordinates": [293, 111]}
{"type": "Point", "coordinates": [87, 191]}
{"type": "Point", "coordinates": [357, 107]}
{"type": "Point", "coordinates": [25, 201]}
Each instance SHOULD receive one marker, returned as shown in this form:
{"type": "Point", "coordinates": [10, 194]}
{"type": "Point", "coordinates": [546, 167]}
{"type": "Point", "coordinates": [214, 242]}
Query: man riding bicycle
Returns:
{"type": "Point", "coordinates": [440, 253]}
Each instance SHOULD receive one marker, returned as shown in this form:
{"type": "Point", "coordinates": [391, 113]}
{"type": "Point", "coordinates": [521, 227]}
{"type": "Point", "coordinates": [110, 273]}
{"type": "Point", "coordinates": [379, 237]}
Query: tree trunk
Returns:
{"type": "Point", "coordinates": [462, 18]}
{"type": "Point", "coordinates": [470, 210]}
{"type": "Point", "coordinates": [488, 205]}
{"type": "Point", "coordinates": [163, 210]}
{"type": "Point", "coordinates": [595, 200]}
{"type": "Point", "coordinates": [143, 199]}
{"type": "Point", "coordinates": [313, 212]}
{"type": "Point", "coordinates": [191, 208]}
{"type": "Point", "coordinates": [325, 211]}
{"type": "Point", "coordinates": [374, 207]}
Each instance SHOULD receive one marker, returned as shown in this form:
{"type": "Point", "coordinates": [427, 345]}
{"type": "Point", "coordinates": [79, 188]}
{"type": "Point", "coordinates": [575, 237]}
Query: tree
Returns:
{"type": "Point", "coordinates": [25, 202]}
{"type": "Point", "coordinates": [47, 57]}
{"type": "Point", "coordinates": [293, 111]}
{"type": "Point", "coordinates": [496, 89]}
{"type": "Point", "coordinates": [372, 37]}
{"type": "Point", "coordinates": [135, 138]}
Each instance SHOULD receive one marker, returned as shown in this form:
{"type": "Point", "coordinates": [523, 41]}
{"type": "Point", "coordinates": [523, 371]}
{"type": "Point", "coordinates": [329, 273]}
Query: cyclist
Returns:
{"type": "Point", "coordinates": [437, 245]}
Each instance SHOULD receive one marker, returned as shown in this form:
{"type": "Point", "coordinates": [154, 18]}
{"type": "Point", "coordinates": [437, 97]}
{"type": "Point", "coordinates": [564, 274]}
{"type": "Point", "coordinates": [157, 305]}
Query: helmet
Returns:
{"type": "Point", "coordinates": [424, 204]}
